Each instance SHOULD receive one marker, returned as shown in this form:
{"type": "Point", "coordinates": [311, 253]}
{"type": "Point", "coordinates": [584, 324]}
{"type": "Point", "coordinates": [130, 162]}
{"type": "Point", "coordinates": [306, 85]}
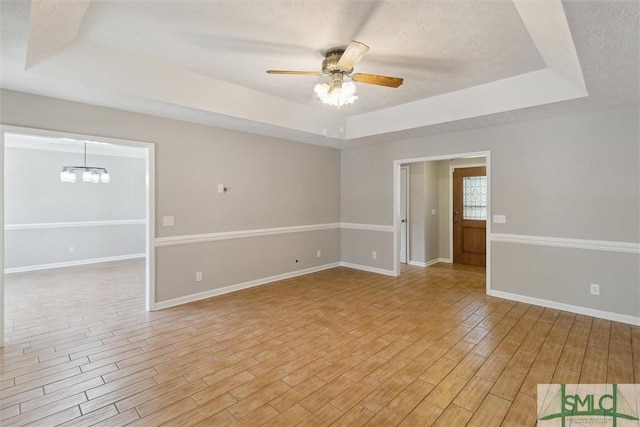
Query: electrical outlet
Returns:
{"type": "Point", "coordinates": [72, 249]}
{"type": "Point", "coordinates": [374, 255]}
{"type": "Point", "coordinates": [595, 289]}
{"type": "Point", "coordinates": [167, 221]}
{"type": "Point", "coordinates": [198, 276]}
{"type": "Point", "coordinates": [318, 254]}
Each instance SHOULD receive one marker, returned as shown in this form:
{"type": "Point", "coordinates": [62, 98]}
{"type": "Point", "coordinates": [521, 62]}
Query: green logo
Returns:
{"type": "Point", "coordinates": [605, 405]}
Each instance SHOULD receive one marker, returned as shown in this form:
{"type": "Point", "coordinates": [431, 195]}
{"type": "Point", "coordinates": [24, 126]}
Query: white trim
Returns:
{"type": "Point", "coordinates": [71, 263]}
{"type": "Point", "coordinates": [561, 242]}
{"type": "Point", "coordinates": [237, 287]}
{"type": "Point", "coordinates": [368, 268]}
{"type": "Point", "coordinates": [397, 188]}
{"type": "Point", "coordinates": [150, 216]}
{"type": "Point", "coordinates": [72, 224]}
{"type": "Point", "coordinates": [632, 320]}
{"type": "Point", "coordinates": [369, 227]}
{"type": "Point", "coordinates": [424, 264]}
{"type": "Point", "coordinates": [245, 234]}
{"type": "Point", "coordinates": [445, 260]}
{"type": "Point", "coordinates": [241, 234]}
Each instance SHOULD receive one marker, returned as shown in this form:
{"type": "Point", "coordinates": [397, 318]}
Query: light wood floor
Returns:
{"type": "Point", "coordinates": [337, 347]}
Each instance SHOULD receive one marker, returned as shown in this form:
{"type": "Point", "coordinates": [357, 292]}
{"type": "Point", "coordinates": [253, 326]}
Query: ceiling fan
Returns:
{"type": "Point", "coordinates": [338, 64]}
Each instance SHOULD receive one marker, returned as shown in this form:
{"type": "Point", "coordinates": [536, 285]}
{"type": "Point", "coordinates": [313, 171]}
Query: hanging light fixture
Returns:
{"type": "Point", "coordinates": [92, 174]}
{"type": "Point", "coordinates": [340, 91]}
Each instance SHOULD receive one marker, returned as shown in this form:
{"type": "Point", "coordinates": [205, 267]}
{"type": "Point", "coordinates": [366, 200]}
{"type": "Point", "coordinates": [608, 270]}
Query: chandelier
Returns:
{"type": "Point", "coordinates": [340, 91]}
{"type": "Point", "coordinates": [92, 174]}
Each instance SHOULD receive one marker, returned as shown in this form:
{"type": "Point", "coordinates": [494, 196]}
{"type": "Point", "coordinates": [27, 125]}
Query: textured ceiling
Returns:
{"type": "Point", "coordinates": [465, 63]}
{"type": "Point", "coordinates": [237, 41]}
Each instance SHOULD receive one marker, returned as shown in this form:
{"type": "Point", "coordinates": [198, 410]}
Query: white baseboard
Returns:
{"type": "Point", "coordinates": [417, 263]}
{"type": "Point", "coordinates": [71, 263]}
{"type": "Point", "coordinates": [445, 260]}
{"type": "Point", "coordinates": [240, 286]}
{"type": "Point", "coordinates": [616, 317]}
{"type": "Point", "coordinates": [428, 263]}
{"type": "Point", "coordinates": [367, 268]}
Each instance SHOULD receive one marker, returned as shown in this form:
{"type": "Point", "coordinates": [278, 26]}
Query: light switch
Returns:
{"type": "Point", "coordinates": [433, 211]}
{"type": "Point", "coordinates": [167, 221]}
{"type": "Point", "coordinates": [221, 188]}
{"type": "Point", "coordinates": [499, 219]}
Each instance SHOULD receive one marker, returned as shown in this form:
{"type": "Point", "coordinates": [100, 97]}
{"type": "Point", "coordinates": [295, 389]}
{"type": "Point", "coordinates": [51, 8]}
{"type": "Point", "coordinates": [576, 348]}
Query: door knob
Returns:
{"type": "Point", "coordinates": [403, 220]}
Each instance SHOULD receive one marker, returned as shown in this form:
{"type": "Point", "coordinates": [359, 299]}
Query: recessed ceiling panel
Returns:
{"type": "Point", "coordinates": [438, 47]}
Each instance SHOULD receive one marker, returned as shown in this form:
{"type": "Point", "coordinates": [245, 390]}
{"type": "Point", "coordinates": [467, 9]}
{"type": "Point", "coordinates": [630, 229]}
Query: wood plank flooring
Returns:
{"type": "Point", "coordinates": [339, 347]}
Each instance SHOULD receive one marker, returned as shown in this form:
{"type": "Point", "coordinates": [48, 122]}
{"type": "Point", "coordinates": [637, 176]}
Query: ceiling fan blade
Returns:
{"type": "Point", "coordinates": [375, 79]}
{"type": "Point", "coordinates": [352, 55]}
{"type": "Point", "coordinates": [302, 73]}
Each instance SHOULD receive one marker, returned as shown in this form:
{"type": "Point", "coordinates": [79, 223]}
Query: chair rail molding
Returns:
{"type": "Point", "coordinates": [562, 242]}
{"type": "Point", "coordinates": [73, 224]}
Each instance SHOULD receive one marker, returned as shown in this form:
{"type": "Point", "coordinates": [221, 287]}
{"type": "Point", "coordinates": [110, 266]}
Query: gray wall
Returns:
{"type": "Point", "coordinates": [417, 213]}
{"type": "Point", "coordinates": [271, 182]}
{"type": "Point", "coordinates": [424, 232]}
{"type": "Point", "coordinates": [572, 177]}
{"type": "Point", "coordinates": [35, 196]}
{"type": "Point", "coordinates": [566, 177]}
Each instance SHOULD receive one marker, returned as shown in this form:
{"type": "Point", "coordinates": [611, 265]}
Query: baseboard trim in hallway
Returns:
{"type": "Point", "coordinates": [72, 263]}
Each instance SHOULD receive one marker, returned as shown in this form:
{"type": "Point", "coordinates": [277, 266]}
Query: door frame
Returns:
{"type": "Point", "coordinates": [407, 191]}
{"type": "Point", "coordinates": [452, 168]}
{"type": "Point", "coordinates": [150, 285]}
{"type": "Point", "coordinates": [396, 203]}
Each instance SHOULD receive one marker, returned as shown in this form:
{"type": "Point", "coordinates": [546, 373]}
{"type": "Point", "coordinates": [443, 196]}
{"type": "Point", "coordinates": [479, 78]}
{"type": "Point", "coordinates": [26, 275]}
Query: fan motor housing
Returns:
{"type": "Point", "coordinates": [330, 62]}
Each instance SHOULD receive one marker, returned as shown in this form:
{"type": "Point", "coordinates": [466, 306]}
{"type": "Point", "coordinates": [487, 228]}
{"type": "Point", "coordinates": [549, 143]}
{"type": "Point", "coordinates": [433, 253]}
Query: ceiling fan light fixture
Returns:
{"type": "Point", "coordinates": [335, 95]}
{"type": "Point", "coordinates": [339, 64]}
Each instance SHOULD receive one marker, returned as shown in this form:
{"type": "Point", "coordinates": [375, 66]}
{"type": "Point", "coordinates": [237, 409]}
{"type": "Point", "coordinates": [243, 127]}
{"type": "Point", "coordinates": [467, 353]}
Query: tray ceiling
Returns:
{"type": "Point", "coordinates": [205, 62]}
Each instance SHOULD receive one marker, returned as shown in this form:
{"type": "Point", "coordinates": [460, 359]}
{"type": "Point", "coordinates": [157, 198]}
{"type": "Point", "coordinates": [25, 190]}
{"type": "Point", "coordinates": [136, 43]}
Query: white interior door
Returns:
{"type": "Point", "coordinates": [404, 224]}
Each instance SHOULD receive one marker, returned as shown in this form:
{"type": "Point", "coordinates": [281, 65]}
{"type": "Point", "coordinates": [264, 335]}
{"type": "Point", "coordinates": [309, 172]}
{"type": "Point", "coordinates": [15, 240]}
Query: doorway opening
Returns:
{"type": "Point", "coordinates": [430, 215]}
{"type": "Point", "coordinates": [44, 216]}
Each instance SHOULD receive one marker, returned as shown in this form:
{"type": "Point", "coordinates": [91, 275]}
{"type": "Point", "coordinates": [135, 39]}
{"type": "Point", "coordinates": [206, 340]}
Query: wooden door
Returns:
{"type": "Point", "coordinates": [470, 215]}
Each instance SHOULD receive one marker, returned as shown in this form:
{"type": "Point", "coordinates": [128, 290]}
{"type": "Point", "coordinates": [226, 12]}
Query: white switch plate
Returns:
{"type": "Point", "coordinates": [221, 188]}
{"type": "Point", "coordinates": [198, 276]}
{"type": "Point", "coordinates": [433, 211]}
{"type": "Point", "coordinates": [499, 219]}
{"type": "Point", "coordinates": [318, 254]}
{"type": "Point", "coordinates": [374, 255]}
{"type": "Point", "coordinates": [72, 249]}
{"type": "Point", "coordinates": [167, 221]}
{"type": "Point", "coordinates": [595, 289]}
